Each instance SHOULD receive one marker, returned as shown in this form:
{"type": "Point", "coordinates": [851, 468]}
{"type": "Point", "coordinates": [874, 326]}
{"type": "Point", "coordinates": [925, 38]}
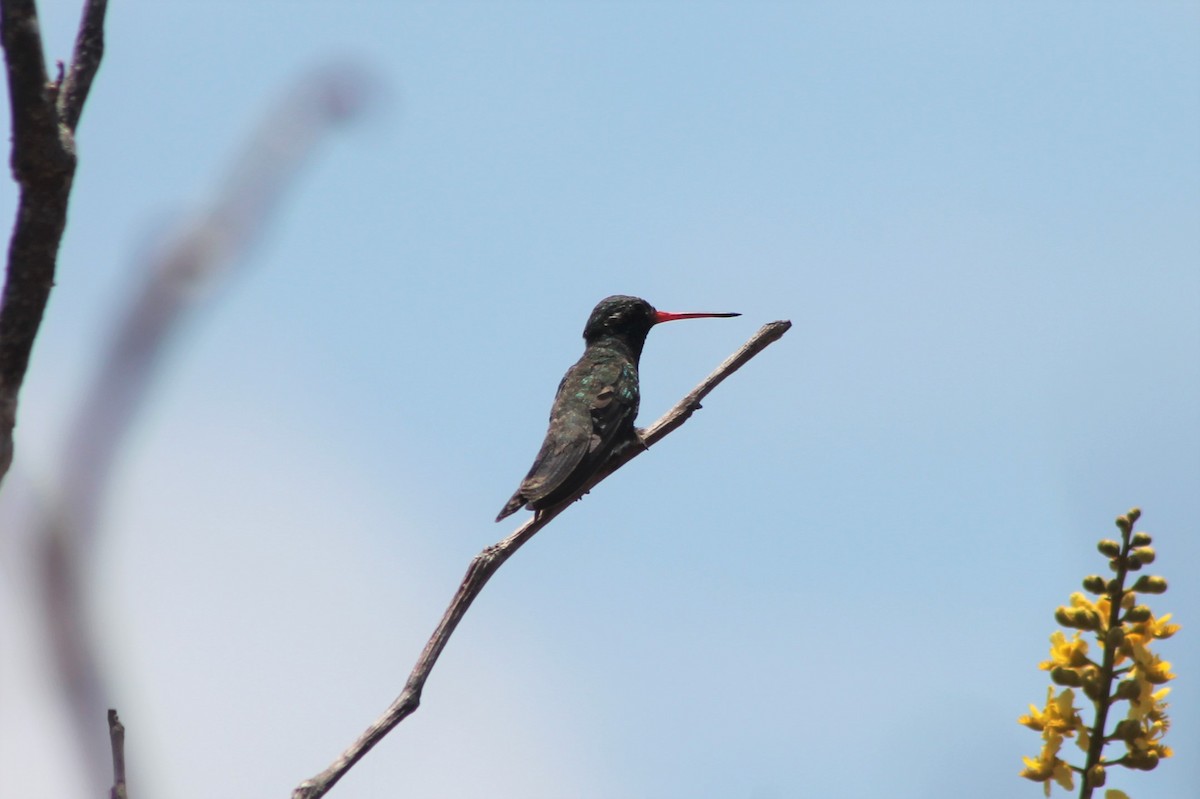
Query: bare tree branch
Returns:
{"type": "Point", "coordinates": [34, 118]}
{"type": "Point", "coordinates": [43, 163]}
{"type": "Point", "coordinates": [89, 49]}
{"type": "Point", "coordinates": [116, 735]}
{"type": "Point", "coordinates": [485, 564]}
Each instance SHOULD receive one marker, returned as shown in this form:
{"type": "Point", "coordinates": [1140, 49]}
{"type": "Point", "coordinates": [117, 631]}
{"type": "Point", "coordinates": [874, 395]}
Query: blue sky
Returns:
{"type": "Point", "coordinates": [836, 580]}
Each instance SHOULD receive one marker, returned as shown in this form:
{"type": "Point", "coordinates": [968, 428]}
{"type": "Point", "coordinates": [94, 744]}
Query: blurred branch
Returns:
{"type": "Point", "coordinates": [116, 735]}
{"type": "Point", "coordinates": [485, 564]}
{"type": "Point", "coordinates": [210, 247]}
{"type": "Point", "coordinates": [43, 161]}
{"type": "Point", "coordinates": [173, 284]}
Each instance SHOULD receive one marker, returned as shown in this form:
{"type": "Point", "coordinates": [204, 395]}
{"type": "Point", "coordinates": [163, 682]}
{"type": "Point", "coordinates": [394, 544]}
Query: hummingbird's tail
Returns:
{"type": "Point", "coordinates": [512, 506]}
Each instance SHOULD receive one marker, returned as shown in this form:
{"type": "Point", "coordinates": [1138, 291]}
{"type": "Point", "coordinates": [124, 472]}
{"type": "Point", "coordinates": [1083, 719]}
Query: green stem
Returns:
{"type": "Point", "coordinates": [1107, 672]}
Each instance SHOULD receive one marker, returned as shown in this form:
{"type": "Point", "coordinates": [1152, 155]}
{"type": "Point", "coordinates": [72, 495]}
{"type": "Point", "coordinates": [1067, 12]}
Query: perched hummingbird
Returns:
{"type": "Point", "coordinates": [596, 403]}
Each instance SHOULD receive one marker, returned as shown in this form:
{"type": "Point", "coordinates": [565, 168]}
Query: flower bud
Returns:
{"type": "Point", "coordinates": [1094, 583]}
{"type": "Point", "coordinates": [1114, 637]}
{"type": "Point", "coordinates": [1127, 730]}
{"type": "Point", "coordinates": [1062, 675]}
{"type": "Point", "coordinates": [1140, 539]}
{"type": "Point", "coordinates": [1150, 584]}
{"type": "Point", "coordinates": [1132, 563]}
{"type": "Point", "coordinates": [1096, 776]}
{"type": "Point", "coordinates": [1127, 521]}
{"type": "Point", "coordinates": [1139, 614]}
{"type": "Point", "coordinates": [1127, 689]}
{"type": "Point", "coordinates": [1142, 761]}
{"type": "Point", "coordinates": [1109, 548]}
{"type": "Point", "coordinates": [1159, 676]}
{"type": "Point", "coordinates": [1142, 555]}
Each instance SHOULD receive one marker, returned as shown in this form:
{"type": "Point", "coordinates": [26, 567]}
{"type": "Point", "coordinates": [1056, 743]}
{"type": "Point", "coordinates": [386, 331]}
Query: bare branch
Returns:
{"type": "Point", "coordinates": [34, 119]}
{"type": "Point", "coordinates": [89, 49]}
{"type": "Point", "coordinates": [673, 419]}
{"type": "Point", "coordinates": [43, 163]}
{"type": "Point", "coordinates": [116, 735]}
{"type": "Point", "coordinates": [485, 564]}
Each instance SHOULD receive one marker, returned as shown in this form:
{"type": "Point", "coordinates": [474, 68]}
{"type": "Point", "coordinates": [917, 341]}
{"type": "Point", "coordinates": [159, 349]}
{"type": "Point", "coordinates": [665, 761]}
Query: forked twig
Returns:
{"type": "Point", "coordinates": [485, 564]}
{"type": "Point", "coordinates": [44, 117]}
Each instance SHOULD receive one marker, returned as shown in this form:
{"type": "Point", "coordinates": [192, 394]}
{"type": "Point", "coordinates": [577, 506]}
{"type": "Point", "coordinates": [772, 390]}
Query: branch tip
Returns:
{"type": "Point", "coordinates": [116, 734]}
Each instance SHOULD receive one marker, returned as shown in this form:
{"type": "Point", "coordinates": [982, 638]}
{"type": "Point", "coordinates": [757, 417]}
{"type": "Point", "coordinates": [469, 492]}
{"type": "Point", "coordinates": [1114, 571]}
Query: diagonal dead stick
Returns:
{"type": "Point", "coordinates": [485, 564]}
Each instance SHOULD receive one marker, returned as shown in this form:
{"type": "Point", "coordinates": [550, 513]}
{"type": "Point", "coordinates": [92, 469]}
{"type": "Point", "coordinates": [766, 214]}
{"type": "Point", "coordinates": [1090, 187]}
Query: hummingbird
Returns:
{"type": "Point", "coordinates": [596, 403]}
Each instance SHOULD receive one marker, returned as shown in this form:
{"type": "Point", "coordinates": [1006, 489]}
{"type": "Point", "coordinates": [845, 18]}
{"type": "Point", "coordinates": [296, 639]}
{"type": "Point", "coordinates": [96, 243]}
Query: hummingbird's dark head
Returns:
{"type": "Point", "coordinates": [619, 315]}
{"type": "Point", "coordinates": [630, 319]}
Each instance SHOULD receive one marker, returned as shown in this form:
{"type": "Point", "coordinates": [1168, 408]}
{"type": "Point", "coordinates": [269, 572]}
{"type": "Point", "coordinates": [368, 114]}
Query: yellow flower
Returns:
{"type": "Point", "coordinates": [1098, 609]}
{"type": "Point", "coordinates": [1048, 766]}
{"type": "Point", "coordinates": [1148, 703]}
{"type": "Point", "coordinates": [1071, 654]}
{"type": "Point", "coordinates": [1059, 717]}
{"type": "Point", "coordinates": [1150, 666]}
{"type": "Point", "coordinates": [1150, 742]}
{"type": "Point", "coordinates": [1149, 711]}
{"type": "Point", "coordinates": [1157, 670]}
{"type": "Point", "coordinates": [1124, 633]}
{"type": "Point", "coordinates": [1153, 628]}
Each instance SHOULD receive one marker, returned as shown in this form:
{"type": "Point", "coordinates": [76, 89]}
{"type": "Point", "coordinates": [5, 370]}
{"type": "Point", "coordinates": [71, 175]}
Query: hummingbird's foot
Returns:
{"type": "Point", "coordinates": [634, 441]}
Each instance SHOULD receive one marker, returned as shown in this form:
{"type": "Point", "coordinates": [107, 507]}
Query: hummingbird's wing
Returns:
{"type": "Point", "coordinates": [593, 409]}
{"type": "Point", "coordinates": [567, 443]}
